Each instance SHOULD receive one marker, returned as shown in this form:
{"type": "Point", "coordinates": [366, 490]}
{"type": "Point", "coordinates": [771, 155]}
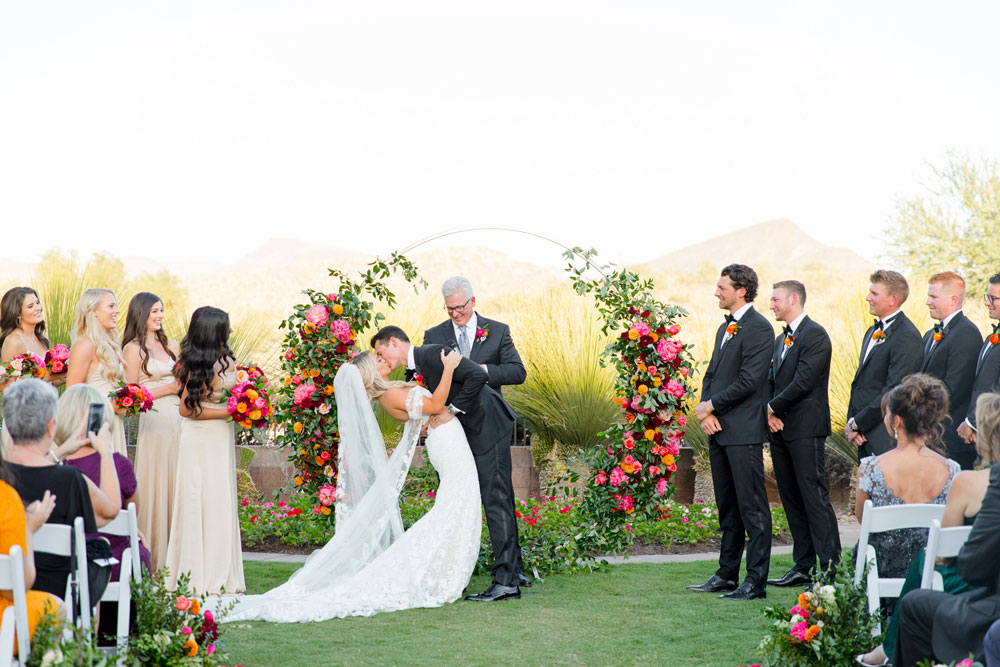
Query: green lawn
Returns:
{"type": "Point", "coordinates": [637, 614]}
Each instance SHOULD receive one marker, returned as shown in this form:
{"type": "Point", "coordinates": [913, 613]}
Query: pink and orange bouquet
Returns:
{"type": "Point", "coordinates": [26, 365]}
{"type": "Point", "coordinates": [134, 399]}
{"type": "Point", "coordinates": [249, 403]}
{"type": "Point", "coordinates": [56, 359]}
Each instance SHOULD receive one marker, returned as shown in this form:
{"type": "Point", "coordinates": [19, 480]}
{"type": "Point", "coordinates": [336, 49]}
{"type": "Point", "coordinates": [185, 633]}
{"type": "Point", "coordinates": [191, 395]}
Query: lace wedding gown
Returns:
{"type": "Point", "coordinates": [370, 565]}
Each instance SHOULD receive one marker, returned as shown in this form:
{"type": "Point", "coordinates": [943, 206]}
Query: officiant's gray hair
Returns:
{"type": "Point", "coordinates": [455, 285]}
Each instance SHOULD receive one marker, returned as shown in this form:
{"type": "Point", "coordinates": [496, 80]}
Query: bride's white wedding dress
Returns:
{"type": "Point", "coordinates": [371, 565]}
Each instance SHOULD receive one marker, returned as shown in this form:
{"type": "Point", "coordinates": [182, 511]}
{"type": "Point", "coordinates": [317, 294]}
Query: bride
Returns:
{"type": "Point", "coordinates": [370, 565]}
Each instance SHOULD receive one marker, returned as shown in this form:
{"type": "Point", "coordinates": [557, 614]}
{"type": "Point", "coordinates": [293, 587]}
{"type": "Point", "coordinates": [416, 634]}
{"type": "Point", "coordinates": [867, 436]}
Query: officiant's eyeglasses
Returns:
{"type": "Point", "coordinates": [452, 309]}
{"type": "Point", "coordinates": [990, 299]}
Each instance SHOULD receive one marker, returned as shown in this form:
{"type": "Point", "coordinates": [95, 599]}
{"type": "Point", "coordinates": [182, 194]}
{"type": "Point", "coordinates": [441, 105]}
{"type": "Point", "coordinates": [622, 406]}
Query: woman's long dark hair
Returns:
{"type": "Point", "coordinates": [205, 345]}
{"type": "Point", "coordinates": [10, 314]}
{"type": "Point", "coordinates": [135, 326]}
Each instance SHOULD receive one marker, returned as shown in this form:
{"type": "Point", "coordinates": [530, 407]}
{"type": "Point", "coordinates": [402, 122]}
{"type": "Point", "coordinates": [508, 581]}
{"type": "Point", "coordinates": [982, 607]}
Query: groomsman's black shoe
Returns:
{"type": "Point", "coordinates": [714, 584]}
{"type": "Point", "coordinates": [746, 591]}
{"type": "Point", "coordinates": [523, 581]}
{"type": "Point", "coordinates": [792, 578]}
{"type": "Point", "coordinates": [496, 592]}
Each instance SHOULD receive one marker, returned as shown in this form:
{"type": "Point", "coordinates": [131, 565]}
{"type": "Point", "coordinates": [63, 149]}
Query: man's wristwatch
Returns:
{"type": "Point", "coordinates": [852, 425]}
{"type": "Point", "coordinates": [452, 410]}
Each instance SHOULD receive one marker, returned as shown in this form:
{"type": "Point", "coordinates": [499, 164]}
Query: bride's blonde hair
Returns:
{"type": "Point", "coordinates": [106, 346]}
{"type": "Point", "coordinates": [375, 385]}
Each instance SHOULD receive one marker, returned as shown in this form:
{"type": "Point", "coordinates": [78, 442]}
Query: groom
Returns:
{"type": "Point", "coordinates": [489, 424]}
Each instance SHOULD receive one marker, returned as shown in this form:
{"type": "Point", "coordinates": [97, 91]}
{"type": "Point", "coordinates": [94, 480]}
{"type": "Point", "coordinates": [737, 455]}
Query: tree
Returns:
{"type": "Point", "coordinates": [955, 225]}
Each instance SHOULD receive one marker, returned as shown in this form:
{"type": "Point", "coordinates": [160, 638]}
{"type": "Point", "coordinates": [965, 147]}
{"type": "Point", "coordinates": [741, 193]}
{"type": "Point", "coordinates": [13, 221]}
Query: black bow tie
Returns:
{"type": "Point", "coordinates": [938, 328]}
{"type": "Point", "coordinates": [730, 319]}
{"type": "Point", "coordinates": [787, 330]}
{"type": "Point", "coordinates": [882, 324]}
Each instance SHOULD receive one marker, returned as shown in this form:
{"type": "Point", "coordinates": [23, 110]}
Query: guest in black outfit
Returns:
{"type": "Point", "coordinates": [890, 350]}
{"type": "Point", "coordinates": [951, 350]}
{"type": "Point", "coordinates": [29, 412]}
{"type": "Point", "coordinates": [798, 416]}
{"type": "Point", "coordinates": [732, 413]}
{"type": "Point", "coordinates": [938, 626]}
{"type": "Point", "coordinates": [987, 363]}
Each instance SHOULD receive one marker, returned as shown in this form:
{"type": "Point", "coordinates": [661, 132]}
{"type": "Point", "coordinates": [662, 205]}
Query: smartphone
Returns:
{"type": "Point", "coordinates": [95, 417]}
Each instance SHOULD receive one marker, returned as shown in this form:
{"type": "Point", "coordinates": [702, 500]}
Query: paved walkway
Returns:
{"type": "Point", "coordinates": [849, 530]}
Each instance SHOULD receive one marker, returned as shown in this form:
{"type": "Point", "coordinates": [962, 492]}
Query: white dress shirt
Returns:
{"type": "Point", "coordinates": [736, 316]}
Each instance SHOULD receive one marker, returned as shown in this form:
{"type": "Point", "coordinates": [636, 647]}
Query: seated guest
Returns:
{"type": "Point", "coordinates": [965, 497]}
{"type": "Point", "coordinates": [939, 626]}
{"type": "Point", "coordinates": [910, 472]}
{"type": "Point", "coordinates": [29, 412]}
{"type": "Point", "coordinates": [17, 527]}
{"type": "Point", "coordinates": [73, 409]}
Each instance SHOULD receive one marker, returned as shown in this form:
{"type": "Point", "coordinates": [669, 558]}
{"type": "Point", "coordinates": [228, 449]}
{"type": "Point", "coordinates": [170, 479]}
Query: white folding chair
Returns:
{"type": "Point", "coordinates": [15, 617]}
{"type": "Point", "coordinates": [59, 539]}
{"type": "Point", "coordinates": [125, 525]}
{"type": "Point", "coordinates": [879, 520]}
{"type": "Point", "coordinates": [941, 543]}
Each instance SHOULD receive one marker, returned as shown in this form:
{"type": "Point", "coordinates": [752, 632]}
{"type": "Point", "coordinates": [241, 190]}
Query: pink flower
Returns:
{"type": "Point", "coordinates": [667, 350]}
{"type": "Point", "coordinates": [798, 631]}
{"type": "Point", "coordinates": [327, 494]}
{"type": "Point", "coordinates": [208, 615]}
{"type": "Point", "coordinates": [682, 420]}
{"type": "Point", "coordinates": [341, 330]}
{"type": "Point", "coordinates": [675, 388]}
{"type": "Point", "coordinates": [58, 367]}
{"type": "Point", "coordinates": [661, 488]}
{"type": "Point", "coordinates": [654, 470]}
{"type": "Point", "coordinates": [627, 504]}
{"type": "Point", "coordinates": [801, 612]}
{"type": "Point", "coordinates": [629, 443]}
{"type": "Point", "coordinates": [673, 330]}
{"type": "Point", "coordinates": [430, 494]}
{"type": "Point", "coordinates": [127, 402]}
{"type": "Point", "coordinates": [332, 297]}
{"type": "Point", "coordinates": [618, 477]}
{"type": "Point", "coordinates": [635, 402]}
{"type": "Point", "coordinates": [642, 328]}
{"type": "Point", "coordinates": [600, 478]}
{"type": "Point", "coordinates": [303, 395]}
{"type": "Point", "coordinates": [328, 471]}
{"type": "Point", "coordinates": [186, 630]}
{"type": "Point", "coordinates": [245, 502]}
{"type": "Point", "coordinates": [182, 603]}
{"type": "Point", "coordinates": [317, 511]}
{"type": "Point", "coordinates": [684, 519]}
{"type": "Point", "coordinates": [210, 649]}
{"type": "Point", "coordinates": [965, 663]}
{"type": "Point", "coordinates": [629, 460]}
{"type": "Point", "coordinates": [318, 315]}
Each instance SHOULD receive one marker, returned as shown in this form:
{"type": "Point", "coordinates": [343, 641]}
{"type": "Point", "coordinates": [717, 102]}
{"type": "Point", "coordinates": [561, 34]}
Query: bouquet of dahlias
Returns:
{"type": "Point", "coordinates": [249, 404]}
{"type": "Point", "coordinates": [26, 365]}
{"type": "Point", "coordinates": [56, 359]}
{"type": "Point", "coordinates": [132, 398]}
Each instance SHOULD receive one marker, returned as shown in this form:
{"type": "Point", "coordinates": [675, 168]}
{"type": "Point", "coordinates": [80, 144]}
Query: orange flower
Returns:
{"type": "Point", "coordinates": [732, 329]}
{"type": "Point", "coordinates": [630, 417]}
{"type": "Point", "coordinates": [288, 381]}
{"type": "Point", "coordinates": [195, 607]}
{"type": "Point", "coordinates": [643, 389]}
{"type": "Point", "coordinates": [994, 339]}
{"type": "Point", "coordinates": [254, 415]}
{"type": "Point", "coordinates": [241, 407]}
{"type": "Point", "coordinates": [657, 382]}
{"type": "Point", "coordinates": [308, 327]}
{"type": "Point", "coordinates": [878, 335]}
{"type": "Point", "coordinates": [247, 424]}
{"type": "Point", "coordinates": [804, 601]}
{"type": "Point", "coordinates": [325, 511]}
{"type": "Point", "coordinates": [628, 468]}
{"type": "Point", "coordinates": [328, 389]}
{"type": "Point", "coordinates": [667, 459]}
{"type": "Point", "coordinates": [650, 434]}
{"type": "Point", "coordinates": [633, 334]}
{"type": "Point", "coordinates": [812, 632]}
{"type": "Point", "coordinates": [337, 309]}
{"type": "Point", "coordinates": [252, 394]}
{"type": "Point", "coordinates": [937, 336]}
{"type": "Point", "coordinates": [302, 452]}
{"type": "Point", "coordinates": [191, 647]}
{"type": "Point", "coordinates": [298, 480]}
{"type": "Point", "coordinates": [298, 427]}
{"type": "Point", "coordinates": [655, 336]}
{"type": "Point", "coordinates": [642, 367]}
{"type": "Point", "coordinates": [320, 461]}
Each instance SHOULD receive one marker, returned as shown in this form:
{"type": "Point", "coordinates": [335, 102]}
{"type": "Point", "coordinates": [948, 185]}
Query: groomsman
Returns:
{"type": "Point", "coordinates": [733, 395]}
{"type": "Point", "coordinates": [987, 363]}
{"type": "Point", "coordinates": [890, 350]}
{"type": "Point", "coordinates": [486, 342]}
{"type": "Point", "coordinates": [951, 350]}
{"type": "Point", "coordinates": [798, 416]}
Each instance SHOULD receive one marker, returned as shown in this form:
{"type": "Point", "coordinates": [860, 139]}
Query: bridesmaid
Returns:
{"type": "Point", "coordinates": [204, 523]}
{"type": "Point", "coordinates": [95, 356]}
{"type": "Point", "coordinates": [149, 361]}
{"type": "Point", "coordinates": [22, 327]}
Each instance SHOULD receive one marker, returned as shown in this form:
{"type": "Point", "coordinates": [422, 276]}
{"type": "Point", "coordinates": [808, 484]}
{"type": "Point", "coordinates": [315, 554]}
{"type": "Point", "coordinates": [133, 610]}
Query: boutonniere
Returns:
{"type": "Point", "coordinates": [482, 333]}
{"type": "Point", "coordinates": [994, 338]}
{"type": "Point", "coordinates": [733, 329]}
{"type": "Point", "coordinates": [938, 333]}
{"type": "Point", "coordinates": [878, 337]}
{"type": "Point", "coordinates": [789, 340]}
{"type": "Point", "coordinates": [419, 379]}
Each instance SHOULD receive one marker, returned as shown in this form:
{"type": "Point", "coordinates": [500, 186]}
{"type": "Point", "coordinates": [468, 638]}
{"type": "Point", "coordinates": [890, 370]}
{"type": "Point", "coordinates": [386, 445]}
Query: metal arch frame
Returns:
{"type": "Point", "coordinates": [452, 232]}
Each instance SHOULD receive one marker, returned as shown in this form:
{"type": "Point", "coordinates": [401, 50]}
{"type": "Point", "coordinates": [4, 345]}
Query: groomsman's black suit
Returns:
{"type": "Point", "coordinates": [798, 385]}
{"type": "Point", "coordinates": [736, 383]}
{"type": "Point", "coordinates": [496, 351]}
{"type": "Point", "coordinates": [898, 355]}
{"type": "Point", "coordinates": [948, 627]}
{"type": "Point", "coordinates": [953, 361]}
{"type": "Point", "coordinates": [489, 424]}
{"type": "Point", "coordinates": [987, 376]}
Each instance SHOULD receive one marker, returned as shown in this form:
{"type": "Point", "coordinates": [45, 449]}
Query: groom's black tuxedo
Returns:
{"type": "Point", "coordinates": [496, 351]}
{"type": "Point", "coordinates": [953, 361]}
{"type": "Point", "coordinates": [489, 426]}
{"type": "Point", "coordinates": [736, 383]}
{"type": "Point", "coordinates": [898, 355]}
{"type": "Point", "coordinates": [987, 376]}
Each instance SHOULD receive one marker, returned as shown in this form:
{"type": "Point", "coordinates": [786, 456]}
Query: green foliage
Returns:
{"type": "Point", "coordinates": [51, 648]}
{"type": "Point", "coordinates": [293, 523]}
{"type": "Point", "coordinates": [952, 225]}
{"type": "Point", "coordinates": [828, 625]}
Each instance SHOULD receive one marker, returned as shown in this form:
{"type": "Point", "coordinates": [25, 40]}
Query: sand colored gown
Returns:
{"type": "Point", "coordinates": [156, 459]}
{"type": "Point", "coordinates": [204, 523]}
{"type": "Point", "coordinates": [97, 379]}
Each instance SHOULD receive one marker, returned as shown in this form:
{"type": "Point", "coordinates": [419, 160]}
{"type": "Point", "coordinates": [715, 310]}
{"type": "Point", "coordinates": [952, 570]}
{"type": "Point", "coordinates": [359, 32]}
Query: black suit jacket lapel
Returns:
{"type": "Point", "coordinates": [983, 353]}
{"type": "Point", "coordinates": [476, 343]}
{"type": "Point", "coordinates": [863, 360]}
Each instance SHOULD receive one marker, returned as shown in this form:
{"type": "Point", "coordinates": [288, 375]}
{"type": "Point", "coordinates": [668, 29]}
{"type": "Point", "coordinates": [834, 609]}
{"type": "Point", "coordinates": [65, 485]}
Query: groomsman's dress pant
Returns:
{"type": "Point", "coordinates": [800, 470]}
{"type": "Point", "coordinates": [497, 491]}
{"type": "Point", "coordinates": [738, 479]}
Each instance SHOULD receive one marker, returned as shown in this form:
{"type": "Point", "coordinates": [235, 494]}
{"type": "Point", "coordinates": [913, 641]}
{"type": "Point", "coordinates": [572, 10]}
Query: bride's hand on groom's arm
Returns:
{"type": "Point", "coordinates": [451, 359]}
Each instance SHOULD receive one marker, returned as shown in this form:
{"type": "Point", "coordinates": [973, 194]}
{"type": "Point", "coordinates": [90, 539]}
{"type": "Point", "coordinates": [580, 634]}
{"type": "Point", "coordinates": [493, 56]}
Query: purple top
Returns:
{"type": "Point", "coordinates": [91, 467]}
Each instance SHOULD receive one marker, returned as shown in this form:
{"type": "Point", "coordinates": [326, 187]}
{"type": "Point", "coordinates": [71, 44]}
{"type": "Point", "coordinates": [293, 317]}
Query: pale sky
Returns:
{"type": "Point", "coordinates": [199, 130]}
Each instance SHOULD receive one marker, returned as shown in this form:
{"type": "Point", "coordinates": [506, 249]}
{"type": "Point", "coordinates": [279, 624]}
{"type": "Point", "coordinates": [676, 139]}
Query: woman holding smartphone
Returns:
{"type": "Point", "coordinates": [204, 523]}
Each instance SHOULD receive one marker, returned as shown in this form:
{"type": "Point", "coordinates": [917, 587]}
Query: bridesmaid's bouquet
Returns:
{"type": "Point", "coordinates": [249, 403]}
{"type": "Point", "coordinates": [134, 399]}
{"type": "Point", "coordinates": [26, 365]}
{"type": "Point", "coordinates": [56, 359]}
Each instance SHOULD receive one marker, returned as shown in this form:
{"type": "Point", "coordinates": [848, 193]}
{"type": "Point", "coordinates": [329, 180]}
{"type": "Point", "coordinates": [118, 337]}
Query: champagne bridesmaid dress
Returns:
{"type": "Point", "coordinates": [97, 379]}
{"type": "Point", "coordinates": [156, 459]}
{"type": "Point", "coordinates": [204, 521]}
